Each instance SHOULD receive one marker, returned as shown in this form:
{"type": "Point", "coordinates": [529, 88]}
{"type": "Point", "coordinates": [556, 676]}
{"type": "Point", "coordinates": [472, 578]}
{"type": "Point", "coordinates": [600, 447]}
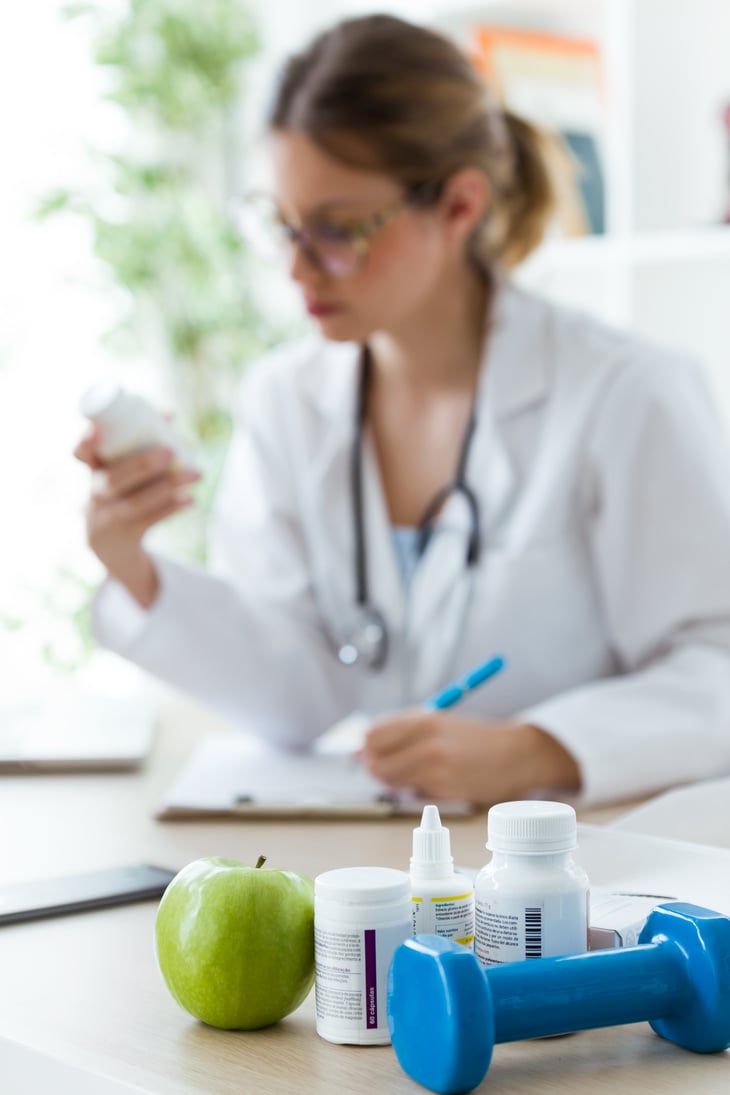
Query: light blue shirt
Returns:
{"type": "Point", "coordinates": [405, 542]}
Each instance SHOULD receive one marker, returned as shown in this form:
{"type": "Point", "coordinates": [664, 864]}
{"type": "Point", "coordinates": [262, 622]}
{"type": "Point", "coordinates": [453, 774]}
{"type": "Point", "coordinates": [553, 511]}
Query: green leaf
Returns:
{"type": "Point", "coordinates": [56, 201]}
{"type": "Point", "coordinates": [74, 11]}
{"type": "Point", "coordinates": [158, 209]}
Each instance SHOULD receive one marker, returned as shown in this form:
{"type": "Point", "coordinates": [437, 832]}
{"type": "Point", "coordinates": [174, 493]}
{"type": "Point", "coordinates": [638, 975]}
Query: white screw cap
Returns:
{"type": "Point", "coordinates": [532, 827]}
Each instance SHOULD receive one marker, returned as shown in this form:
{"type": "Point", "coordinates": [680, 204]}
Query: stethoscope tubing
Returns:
{"type": "Point", "coordinates": [370, 616]}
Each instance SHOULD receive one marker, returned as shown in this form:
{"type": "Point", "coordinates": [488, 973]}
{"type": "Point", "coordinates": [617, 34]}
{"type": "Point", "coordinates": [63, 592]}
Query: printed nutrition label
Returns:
{"type": "Point", "coordinates": [351, 974]}
{"type": "Point", "coordinates": [338, 1003]}
{"type": "Point", "coordinates": [448, 917]}
{"type": "Point", "coordinates": [510, 929]}
{"type": "Point", "coordinates": [509, 933]}
{"type": "Point", "coordinates": [339, 984]}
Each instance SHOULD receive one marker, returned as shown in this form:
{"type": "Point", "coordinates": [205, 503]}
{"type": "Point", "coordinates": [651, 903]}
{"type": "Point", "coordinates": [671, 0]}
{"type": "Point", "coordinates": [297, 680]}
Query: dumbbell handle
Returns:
{"type": "Point", "coordinates": [535, 998]}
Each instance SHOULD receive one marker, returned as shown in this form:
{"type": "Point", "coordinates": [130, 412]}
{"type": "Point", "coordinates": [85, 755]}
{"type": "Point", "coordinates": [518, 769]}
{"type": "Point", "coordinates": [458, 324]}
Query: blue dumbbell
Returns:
{"type": "Point", "coordinates": [445, 1012]}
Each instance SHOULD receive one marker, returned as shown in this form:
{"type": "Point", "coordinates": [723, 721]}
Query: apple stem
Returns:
{"type": "Point", "coordinates": [260, 861]}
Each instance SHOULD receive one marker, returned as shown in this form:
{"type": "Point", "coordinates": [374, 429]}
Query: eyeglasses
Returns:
{"type": "Point", "coordinates": [339, 248]}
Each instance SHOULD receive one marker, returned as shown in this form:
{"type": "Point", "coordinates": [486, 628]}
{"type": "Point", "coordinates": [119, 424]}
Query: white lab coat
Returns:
{"type": "Point", "coordinates": [603, 479]}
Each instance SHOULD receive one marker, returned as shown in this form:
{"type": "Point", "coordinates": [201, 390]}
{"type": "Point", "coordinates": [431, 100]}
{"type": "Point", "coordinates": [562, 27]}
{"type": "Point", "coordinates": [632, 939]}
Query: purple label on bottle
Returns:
{"type": "Point", "coordinates": [371, 981]}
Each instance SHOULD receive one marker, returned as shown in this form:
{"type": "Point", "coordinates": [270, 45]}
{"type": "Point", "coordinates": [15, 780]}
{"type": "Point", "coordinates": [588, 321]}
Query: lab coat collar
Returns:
{"type": "Point", "coordinates": [514, 368]}
{"type": "Point", "coordinates": [513, 378]}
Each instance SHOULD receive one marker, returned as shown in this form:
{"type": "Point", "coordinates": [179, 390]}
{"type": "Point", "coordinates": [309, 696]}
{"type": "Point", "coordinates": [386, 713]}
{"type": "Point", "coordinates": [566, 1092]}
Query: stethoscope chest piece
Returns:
{"type": "Point", "coordinates": [367, 642]}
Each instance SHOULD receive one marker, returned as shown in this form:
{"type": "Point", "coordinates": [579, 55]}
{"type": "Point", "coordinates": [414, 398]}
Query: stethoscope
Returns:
{"type": "Point", "coordinates": [367, 640]}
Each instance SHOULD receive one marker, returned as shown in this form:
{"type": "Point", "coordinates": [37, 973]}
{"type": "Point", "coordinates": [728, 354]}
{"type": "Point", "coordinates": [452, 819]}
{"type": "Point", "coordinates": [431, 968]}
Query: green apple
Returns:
{"type": "Point", "coordinates": [235, 943]}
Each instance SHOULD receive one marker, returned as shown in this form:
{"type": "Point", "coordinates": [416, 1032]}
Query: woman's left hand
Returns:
{"type": "Point", "coordinates": [441, 755]}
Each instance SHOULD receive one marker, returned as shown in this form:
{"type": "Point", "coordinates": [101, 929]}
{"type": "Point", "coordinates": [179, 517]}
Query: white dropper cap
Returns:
{"type": "Point", "coordinates": [431, 847]}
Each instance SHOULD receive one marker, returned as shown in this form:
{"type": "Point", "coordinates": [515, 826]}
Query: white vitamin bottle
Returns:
{"type": "Point", "coordinates": [532, 898]}
{"type": "Point", "coordinates": [442, 900]}
{"type": "Point", "coordinates": [129, 423]}
{"type": "Point", "coordinates": [361, 914]}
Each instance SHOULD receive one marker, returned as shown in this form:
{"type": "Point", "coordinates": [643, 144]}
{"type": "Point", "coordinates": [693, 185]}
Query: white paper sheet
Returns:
{"type": "Point", "coordinates": [634, 863]}
{"type": "Point", "coordinates": [699, 812]}
{"type": "Point", "coordinates": [236, 774]}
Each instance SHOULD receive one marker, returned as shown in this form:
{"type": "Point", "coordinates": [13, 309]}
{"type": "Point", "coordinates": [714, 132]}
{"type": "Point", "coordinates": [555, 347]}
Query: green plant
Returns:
{"type": "Point", "coordinates": [160, 215]}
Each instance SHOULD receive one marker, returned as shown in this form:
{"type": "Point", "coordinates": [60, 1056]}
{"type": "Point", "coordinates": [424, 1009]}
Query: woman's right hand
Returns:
{"type": "Point", "coordinates": [127, 498]}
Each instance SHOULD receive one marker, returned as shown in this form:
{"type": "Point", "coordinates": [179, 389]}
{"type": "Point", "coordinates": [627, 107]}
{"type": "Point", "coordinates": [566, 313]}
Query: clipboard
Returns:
{"type": "Point", "coordinates": [231, 775]}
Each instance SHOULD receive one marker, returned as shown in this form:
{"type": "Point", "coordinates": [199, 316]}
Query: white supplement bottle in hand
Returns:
{"type": "Point", "coordinates": [129, 423]}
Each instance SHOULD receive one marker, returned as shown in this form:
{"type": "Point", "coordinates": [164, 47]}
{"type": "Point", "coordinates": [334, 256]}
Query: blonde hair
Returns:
{"type": "Point", "coordinates": [384, 94]}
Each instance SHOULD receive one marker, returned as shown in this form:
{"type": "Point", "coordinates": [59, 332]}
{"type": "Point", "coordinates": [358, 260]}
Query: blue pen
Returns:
{"type": "Point", "coordinates": [453, 692]}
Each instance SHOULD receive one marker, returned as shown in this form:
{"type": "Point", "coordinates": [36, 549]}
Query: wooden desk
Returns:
{"type": "Point", "coordinates": [85, 988]}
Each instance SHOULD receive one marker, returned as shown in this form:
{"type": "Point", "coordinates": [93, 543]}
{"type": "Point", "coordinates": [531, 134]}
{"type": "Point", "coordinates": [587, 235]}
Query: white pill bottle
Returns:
{"type": "Point", "coordinates": [128, 423]}
{"type": "Point", "coordinates": [442, 899]}
{"type": "Point", "coordinates": [361, 914]}
{"type": "Point", "coordinates": [531, 900]}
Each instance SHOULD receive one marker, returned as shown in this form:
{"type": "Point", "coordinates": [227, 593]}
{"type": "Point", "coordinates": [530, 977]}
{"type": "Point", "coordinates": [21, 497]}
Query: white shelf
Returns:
{"type": "Point", "coordinates": [666, 80]}
{"type": "Point", "coordinates": [666, 165]}
{"type": "Point", "coordinates": [639, 249]}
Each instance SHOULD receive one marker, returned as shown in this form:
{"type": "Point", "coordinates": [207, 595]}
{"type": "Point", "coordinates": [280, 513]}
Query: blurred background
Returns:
{"type": "Point", "coordinates": [131, 127]}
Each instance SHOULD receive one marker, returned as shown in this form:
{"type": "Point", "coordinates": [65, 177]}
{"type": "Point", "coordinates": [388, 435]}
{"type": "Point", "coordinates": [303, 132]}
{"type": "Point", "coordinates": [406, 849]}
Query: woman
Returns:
{"type": "Point", "coordinates": [455, 469]}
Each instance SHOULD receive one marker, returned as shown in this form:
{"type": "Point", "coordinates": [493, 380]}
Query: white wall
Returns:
{"type": "Point", "coordinates": [51, 322]}
{"type": "Point", "coordinates": [682, 84]}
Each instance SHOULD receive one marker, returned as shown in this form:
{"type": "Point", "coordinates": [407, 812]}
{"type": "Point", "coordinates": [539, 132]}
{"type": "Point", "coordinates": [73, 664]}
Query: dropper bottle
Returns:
{"type": "Point", "coordinates": [442, 900]}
